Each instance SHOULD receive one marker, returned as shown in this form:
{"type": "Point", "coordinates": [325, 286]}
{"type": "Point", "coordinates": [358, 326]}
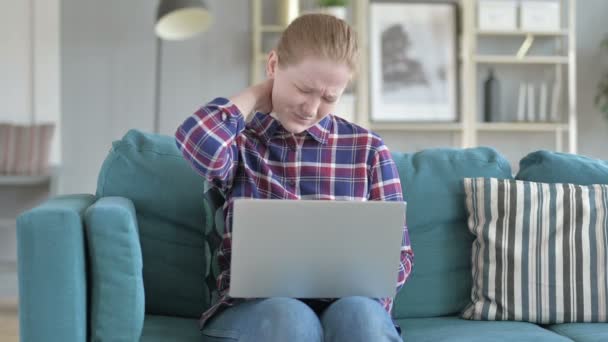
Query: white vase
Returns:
{"type": "Point", "coordinates": [336, 11]}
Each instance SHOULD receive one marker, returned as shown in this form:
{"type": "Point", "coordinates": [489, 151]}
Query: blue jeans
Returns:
{"type": "Point", "coordinates": [285, 319]}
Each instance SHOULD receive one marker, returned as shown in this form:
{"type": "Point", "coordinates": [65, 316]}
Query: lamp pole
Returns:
{"type": "Point", "coordinates": [175, 20]}
{"type": "Point", "coordinates": [157, 82]}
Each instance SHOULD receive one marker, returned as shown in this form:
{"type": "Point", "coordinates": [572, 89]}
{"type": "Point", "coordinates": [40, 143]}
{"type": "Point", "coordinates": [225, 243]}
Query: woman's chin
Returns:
{"type": "Point", "coordinates": [295, 127]}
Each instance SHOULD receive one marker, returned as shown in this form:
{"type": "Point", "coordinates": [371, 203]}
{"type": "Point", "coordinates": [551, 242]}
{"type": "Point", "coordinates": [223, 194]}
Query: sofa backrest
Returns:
{"type": "Point", "coordinates": [440, 283]}
{"type": "Point", "coordinates": [176, 214]}
{"type": "Point", "coordinates": [180, 223]}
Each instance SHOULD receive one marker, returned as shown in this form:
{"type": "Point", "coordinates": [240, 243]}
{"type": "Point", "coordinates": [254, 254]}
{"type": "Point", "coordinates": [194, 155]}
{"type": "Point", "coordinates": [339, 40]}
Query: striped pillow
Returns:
{"type": "Point", "coordinates": [540, 253]}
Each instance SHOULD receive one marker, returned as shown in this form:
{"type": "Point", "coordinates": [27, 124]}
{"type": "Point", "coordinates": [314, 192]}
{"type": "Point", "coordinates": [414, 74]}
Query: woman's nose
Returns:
{"type": "Point", "coordinates": [311, 107]}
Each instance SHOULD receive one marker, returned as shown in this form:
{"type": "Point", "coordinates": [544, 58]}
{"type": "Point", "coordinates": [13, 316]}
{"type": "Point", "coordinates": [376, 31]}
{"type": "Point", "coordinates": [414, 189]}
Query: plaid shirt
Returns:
{"type": "Point", "coordinates": [332, 160]}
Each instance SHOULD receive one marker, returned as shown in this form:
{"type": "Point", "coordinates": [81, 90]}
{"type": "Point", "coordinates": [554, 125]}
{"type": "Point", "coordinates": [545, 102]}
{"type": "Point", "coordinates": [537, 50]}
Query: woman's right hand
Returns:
{"type": "Point", "coordinates": [258, 98]}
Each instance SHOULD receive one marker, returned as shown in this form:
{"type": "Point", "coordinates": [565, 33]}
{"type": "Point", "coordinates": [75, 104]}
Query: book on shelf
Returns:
{"type": "Point", "coordinates": [535, 104]}
{"type": "Point", "coordinates": [542, 102]}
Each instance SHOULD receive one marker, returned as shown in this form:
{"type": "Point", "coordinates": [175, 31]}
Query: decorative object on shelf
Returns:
{"type": "Point", "coordinates": [336, 8]}
{"type": "Point", "coordinates": [497, 15]}
{"type": "Point", "coordinates": [540, 15]}
{"type": "Point", "coordinates": [491, 98]}
{"type": "Point", "coordinates": [288, 11]}
{"type": "Point", "coordinates": [413, 67]}
{"type": "Point", "coordinates": [601, 97]}
{"type": "Point", "coordinates": [176, 20]}
{"type": "Point", "coordinates": [525, 47]}
{"type": "Point", "coordinates": [25, 149]}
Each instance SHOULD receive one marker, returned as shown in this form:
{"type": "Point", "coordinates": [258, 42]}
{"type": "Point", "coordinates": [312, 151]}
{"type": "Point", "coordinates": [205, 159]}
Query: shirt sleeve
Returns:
{"type": "Point", "coordinates": [207, 139]}
{"type": "Point", "coordinates": [385, 185]}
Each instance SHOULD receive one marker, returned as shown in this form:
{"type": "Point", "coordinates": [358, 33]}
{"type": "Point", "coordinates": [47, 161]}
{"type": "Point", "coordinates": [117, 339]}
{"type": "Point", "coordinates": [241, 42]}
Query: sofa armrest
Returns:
{"type": "Point", "coordinates": [52, 270]}
{"type": "Point", "coordinates": [115, 267]}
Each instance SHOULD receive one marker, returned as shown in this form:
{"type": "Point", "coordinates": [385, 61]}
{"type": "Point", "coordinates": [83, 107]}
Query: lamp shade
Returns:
{"type": "Point", "coordinates": [181, 19]}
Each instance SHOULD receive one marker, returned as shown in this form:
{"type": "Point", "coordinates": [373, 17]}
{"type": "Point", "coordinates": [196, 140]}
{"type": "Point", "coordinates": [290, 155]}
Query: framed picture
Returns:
{"type": "Point", "coordinates": [413, 61]}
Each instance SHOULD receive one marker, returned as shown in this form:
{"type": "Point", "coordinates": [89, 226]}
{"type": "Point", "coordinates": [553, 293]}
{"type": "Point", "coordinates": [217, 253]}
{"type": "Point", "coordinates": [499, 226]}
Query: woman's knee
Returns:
{"type": "Point", "coordinates": [357, 307]}
{"type": "Point", "coordinates": [359, 318]}
{"type": "Point", "coordinates": [287, 319]}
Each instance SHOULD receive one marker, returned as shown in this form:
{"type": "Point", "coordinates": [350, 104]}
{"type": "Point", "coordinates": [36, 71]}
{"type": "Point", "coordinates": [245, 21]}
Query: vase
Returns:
{"type": "Point", "coordinates": [337, 11]}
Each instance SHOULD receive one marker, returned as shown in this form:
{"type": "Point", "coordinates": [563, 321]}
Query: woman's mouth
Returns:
{"type": "Point", "coordinates": [302, 118]}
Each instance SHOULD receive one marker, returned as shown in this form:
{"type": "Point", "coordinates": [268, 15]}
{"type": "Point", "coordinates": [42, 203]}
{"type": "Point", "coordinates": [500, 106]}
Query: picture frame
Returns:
{"type": "Point", "coordinates": [413, 61]}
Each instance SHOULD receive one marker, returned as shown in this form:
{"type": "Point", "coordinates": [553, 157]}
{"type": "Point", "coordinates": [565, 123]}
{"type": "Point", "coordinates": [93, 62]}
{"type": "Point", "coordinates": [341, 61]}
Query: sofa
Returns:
{"type": "Point", "coordinates": [135, 260]}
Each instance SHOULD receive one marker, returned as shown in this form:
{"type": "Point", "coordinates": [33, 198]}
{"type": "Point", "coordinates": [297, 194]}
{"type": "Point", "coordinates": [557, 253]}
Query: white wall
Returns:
{"type": "Point", "coordinates": [29, 65]}
{"type": "Point", "coordinates": [592, 28]}
{"type": "Point", "coordinates": [29, 90]}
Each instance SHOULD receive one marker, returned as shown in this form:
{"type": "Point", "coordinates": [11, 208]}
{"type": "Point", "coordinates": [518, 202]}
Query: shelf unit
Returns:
{"type": "Point", "coordinates": [258, 29]}
{"type": "Point", "coordinates": [466, 130]}
{"type": "Point", "coordinates": [497, 59]}
{"type": "Point", "coordinates": [565, 58]}
{"type": "Point", "coordinates": [561, 32]}
{"type": "Point", "coordinates": [288, 10]}
{"type": "Point", "coordinates": [416, 126]}
{"type": "Point", "coordinates": [17, 180]}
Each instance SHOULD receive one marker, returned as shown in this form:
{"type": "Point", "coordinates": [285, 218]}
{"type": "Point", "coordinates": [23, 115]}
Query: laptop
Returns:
{"type": "Point", "coordinates": [315, 248]}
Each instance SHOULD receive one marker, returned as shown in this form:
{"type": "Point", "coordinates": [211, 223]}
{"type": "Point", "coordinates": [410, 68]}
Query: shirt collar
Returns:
{"type": "Point", "coordinates": [266, 127]}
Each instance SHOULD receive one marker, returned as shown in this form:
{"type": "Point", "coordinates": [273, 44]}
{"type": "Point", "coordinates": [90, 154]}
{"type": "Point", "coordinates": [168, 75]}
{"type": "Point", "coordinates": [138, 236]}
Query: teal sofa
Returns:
{"type": "Point", "coordinates": [134, 261]}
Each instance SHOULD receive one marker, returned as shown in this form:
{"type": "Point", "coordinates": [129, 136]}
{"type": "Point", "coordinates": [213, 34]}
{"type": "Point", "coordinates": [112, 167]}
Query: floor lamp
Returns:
{"type": "Point", "coordinates": [176, 20]}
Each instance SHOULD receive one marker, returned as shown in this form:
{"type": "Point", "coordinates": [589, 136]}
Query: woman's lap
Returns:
{"type": "Point", "coordinates": [287, 319]}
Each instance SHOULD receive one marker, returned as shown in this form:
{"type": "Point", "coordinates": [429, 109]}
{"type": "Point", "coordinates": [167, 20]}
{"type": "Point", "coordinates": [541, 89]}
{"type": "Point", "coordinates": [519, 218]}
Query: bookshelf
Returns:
{"type": "Point", "coordinates": [562, 62]}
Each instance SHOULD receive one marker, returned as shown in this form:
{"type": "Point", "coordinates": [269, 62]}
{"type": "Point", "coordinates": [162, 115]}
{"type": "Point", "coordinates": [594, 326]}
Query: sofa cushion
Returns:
{"type": "Point", "coordinates": [116, 270]}
{"type": "Point", "coordinates": [554, 167]}
{"type": "Point", "coordinates": [440, 283]}
{"type": "Point", "coordinates": [454, 329]}
{"type": "Point", "coordinates": [582, 332]}
{"type": "Point", "coordinates": [541, 251]}
{"type": "Point", "coordinates": [176, 212]}
{"type": "Point", "coordinates": [165, 328]}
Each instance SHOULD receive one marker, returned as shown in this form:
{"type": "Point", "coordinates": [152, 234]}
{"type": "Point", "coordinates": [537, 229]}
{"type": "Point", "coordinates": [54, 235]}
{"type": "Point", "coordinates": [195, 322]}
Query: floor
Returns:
{"type": "Point", "coordinates": [13, 201]}
{"type": "Point", "coordinates": [9, 322]}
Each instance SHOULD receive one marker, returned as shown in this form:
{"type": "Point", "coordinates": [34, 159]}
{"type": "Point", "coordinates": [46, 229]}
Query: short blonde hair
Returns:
{"type": "Point", "coordinates": [318, 35]}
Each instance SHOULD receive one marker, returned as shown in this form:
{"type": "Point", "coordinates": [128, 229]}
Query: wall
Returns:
{"type": "Point", "coordinates": [108, 75]}
{"type": "Point", "coordinates": [29, 91]}
{"type": "Point", "coordinates": [592, 28]}
{"type": "Point", "coordinates": [29, 65]}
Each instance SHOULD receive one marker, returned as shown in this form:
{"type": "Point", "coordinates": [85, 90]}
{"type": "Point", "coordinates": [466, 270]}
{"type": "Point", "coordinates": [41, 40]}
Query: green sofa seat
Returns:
{"type": "Point", "coordinates": [455, 329]}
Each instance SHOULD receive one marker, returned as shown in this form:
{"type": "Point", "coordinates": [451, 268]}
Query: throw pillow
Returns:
{"type": "Point", "coordinates": [540, 253]}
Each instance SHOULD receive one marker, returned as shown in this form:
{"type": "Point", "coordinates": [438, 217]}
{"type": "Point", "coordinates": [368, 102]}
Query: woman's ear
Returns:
{"type": "Point", "coordinates": [272, 64]}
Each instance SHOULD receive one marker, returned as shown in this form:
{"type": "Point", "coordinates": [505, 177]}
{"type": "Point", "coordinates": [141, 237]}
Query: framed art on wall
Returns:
{"type": "Point", "coordinates": [413, 61]}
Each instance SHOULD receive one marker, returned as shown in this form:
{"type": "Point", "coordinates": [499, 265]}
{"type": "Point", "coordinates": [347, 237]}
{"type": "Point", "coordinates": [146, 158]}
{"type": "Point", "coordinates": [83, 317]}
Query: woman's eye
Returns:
{"type": "Point", "coordinates": [304, 91]}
